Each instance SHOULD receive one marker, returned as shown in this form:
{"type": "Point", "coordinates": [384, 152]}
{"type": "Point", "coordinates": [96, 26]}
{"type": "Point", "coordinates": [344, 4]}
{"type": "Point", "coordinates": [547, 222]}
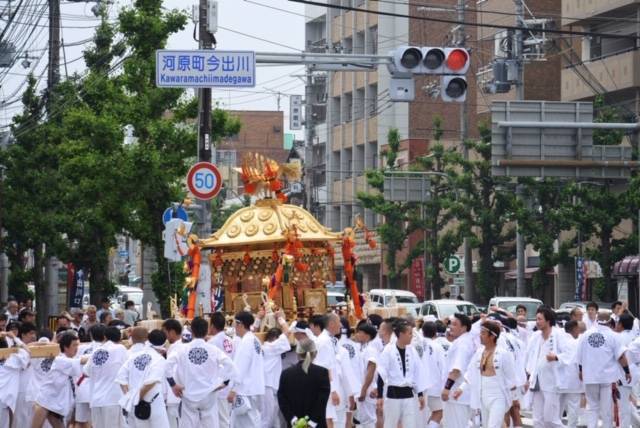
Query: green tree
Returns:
{"type": "Point", "coordinates": [393, 232]}
{"type": "Point", "coordinates": [543, 215]}
{"type": "Point", "coordinates": [490, 210]}
{"type": "Point", "coordinates": [31, 212]}
{"type": "Point", "coordinates": [445, 217]}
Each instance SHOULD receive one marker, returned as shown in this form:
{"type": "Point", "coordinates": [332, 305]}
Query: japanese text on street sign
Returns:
{"type": "Point", "coordinates": [205, 68]}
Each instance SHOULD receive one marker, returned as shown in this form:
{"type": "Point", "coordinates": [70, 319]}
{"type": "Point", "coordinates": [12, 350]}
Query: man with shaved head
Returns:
{"type": "Point", "coordinates": [327, 351]}
{"type": "Point", "coordinates": [138, 336]}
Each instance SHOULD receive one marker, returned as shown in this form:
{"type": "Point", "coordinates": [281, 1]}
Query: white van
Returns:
{"type": "Point", "coordinates": [383, 298]}
{"type": "Point", "coordinates": [126, 293]}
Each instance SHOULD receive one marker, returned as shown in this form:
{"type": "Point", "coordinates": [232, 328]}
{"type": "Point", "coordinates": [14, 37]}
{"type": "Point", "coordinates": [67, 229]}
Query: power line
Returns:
{"type": "Point", "coordinates": [471, 24]}
{"type": "Point", "coordinates": [498, 12]}
{"type": "Point", "coordinates": [260, 38]}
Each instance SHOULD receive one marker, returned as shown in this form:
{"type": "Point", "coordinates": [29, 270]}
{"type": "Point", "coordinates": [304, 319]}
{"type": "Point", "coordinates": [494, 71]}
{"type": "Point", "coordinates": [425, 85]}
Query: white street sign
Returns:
{"type": "Point", "coordinates": [205, 69]}
{"type": "Point", "coordinates": [295, 112]}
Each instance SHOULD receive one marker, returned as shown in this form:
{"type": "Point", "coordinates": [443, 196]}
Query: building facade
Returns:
{"type": "Point", "coordinates": [353, 113]}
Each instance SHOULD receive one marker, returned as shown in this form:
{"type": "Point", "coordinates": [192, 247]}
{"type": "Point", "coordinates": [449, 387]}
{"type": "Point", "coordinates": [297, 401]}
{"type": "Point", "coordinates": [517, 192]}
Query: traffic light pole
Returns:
{"type": "Point", "coordinates": [521, 287]}
{"type": "Point", "coordinates": [469, 289]}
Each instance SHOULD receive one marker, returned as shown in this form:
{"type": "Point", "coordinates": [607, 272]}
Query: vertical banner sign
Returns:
{"type": "Point", "coordinates": [580, 288]}
{"type": "Point", "coordinates": [585, 280]}
{"type": "Point", "coordinates": [77, 290]}
{"type": "Point", "coordinates": [295, 112]}
{"type": "Point", "coordinates": [417, 277]}
{"type": "Point", "coordinates": [71, 274]}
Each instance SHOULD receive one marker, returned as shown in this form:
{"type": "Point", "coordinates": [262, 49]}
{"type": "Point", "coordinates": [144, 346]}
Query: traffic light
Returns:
{"type": "Point", "coordinates": [454, 83]}
{"type": "Point", "coordinates": [454, 88]}
{"type": "Point", "coordinates": [450, 63]}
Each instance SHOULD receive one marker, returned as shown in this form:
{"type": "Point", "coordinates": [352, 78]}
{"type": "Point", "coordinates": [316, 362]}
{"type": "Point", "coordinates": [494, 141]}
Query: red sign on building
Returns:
{"type": "Point", "coordinates": [417, 277]}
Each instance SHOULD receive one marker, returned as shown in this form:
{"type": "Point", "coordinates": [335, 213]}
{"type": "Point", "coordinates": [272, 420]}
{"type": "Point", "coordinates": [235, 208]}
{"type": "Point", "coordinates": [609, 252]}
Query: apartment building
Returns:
{"type": "Point", "coordinates": [599, 65]}
{"type": "Point", "coordinates": [353, 113]}
{"type": "Point", "coordinates": [261, 132]}
{"type": "Point", "coordinates": [607, 67]}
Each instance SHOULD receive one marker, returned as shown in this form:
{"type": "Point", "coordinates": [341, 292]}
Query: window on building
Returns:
{"type": "Point", "coordinates": [602, 47]}
{"type": "Point", "coordinates": [372, 40]}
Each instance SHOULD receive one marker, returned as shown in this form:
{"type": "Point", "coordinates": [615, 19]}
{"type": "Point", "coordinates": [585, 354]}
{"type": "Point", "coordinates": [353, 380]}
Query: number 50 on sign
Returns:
{"type": "Point", "coordinates": [204, 180]}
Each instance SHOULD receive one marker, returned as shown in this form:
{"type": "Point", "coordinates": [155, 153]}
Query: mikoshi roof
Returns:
{"type": "Point", "coordinates": [268, 221]}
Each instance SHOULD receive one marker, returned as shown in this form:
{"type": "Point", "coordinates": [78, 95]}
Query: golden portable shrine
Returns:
{"type": "Point", "coordinates": [272, 254]}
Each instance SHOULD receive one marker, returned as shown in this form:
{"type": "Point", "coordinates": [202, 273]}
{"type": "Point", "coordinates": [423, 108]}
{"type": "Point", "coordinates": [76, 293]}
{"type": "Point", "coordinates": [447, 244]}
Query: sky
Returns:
{"type": "Point", "coordinates": [254, 25]}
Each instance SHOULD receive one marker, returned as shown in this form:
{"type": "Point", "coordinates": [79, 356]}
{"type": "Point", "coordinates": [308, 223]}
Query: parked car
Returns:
{"type": "Point", "coordinates": [444, 308]}
{"type": "Point", "coordinates": [384, 297]}
{"type": "Point", "coordinates": [510, 304]}
{"type": "Point", "coordinates": [336, 298]}
{"type": "Point", "coordinates": [583, 305]}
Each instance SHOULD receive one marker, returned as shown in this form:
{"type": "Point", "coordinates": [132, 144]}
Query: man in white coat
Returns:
{"type": "Point", "coordinates": [599, 357]}
{"type": "Point", "coordinates": [433, 363]}
{"type": "Point", "coordinates": [626, 335]}
{"type": "Point", "coordinates": [248, 387]}
{"type": "Point", "coordinates": [276, 344]}
{"type": "Point", "coordinates": [325, 329]}
{"type": "Point", "coordinates": [141, 379]}
{"type": "Point", "coordinates": [10, 372]}
{"type": "Point", "coordinates": [173, 331]}
{"type": "Point", "coordinates": [491, 378]}
{"type": "Point", "coordinates": [220, 340]}
{"type": "Point", "coordinates": [545, 348]}
{"type": "Point", "coordinates": [571, 387]}
{"type": "Point", "coordinates": [457, 412]}
{"type": "Point", "coordinates": [201, 369]}
{"type": "Point", "coordinates": [400, 368]}
{"type": "Point", "coordinates": [102, 369]}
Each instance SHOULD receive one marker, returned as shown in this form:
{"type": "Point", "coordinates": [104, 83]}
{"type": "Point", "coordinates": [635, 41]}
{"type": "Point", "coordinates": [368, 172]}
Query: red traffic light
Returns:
{"type": "Point", "coordinates": [457, 59]}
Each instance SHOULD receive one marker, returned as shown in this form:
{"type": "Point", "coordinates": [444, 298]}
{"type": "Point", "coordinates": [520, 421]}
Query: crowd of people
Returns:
{"type": "Point", "coordinates": [464, 371]}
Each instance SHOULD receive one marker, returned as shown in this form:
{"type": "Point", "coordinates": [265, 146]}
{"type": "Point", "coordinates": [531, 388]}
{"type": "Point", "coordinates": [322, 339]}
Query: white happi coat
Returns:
{"type": "Point", "coordinates": [504, 367]}
{"type": "Point", "coordinates": [10, 372]}
{"type": "Point", "coordinates": [557, 343]}
{"type": "Point", "coordinates": [249, 363]}
{"type": "Point", "coordinates": [390, 368]}
{"type": "Point", "coordinates": [598, 352]}
{"type": "Point", "coordinates": [458, 358]}
{"type": "Point", "coordinates": [56, 391]}
{"type": "Point", "coordinates": [146, 367]}
{"type": "Point", "coordinates": [201, 368]}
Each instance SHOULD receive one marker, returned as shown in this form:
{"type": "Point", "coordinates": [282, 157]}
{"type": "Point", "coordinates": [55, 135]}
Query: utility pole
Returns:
{"type": "Point", "coordinates": [308, 136]}
{"type": "Point", "coordinates": [469, 290]}
{"type": "Point", "coordinates": [54, 50]}
{"type": "Point", "coordinates": [204, 129]}
{"type": "Point", "coordinates": [521, 289]}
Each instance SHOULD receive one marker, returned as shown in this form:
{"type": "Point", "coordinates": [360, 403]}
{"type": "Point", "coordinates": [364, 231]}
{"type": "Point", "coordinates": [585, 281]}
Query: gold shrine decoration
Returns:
{"type": "Point", "coordinates": [268, 221]}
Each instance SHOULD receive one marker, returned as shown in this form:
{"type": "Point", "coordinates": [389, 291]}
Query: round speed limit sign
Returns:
{"type": "Point", "coordinates": [204, 180]}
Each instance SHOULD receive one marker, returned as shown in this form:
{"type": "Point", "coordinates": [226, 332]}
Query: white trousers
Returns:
{"type": "Point", "coordinates": [270, 409]}
{"type": "Point", "coordinates": [546, 410]}
{"type": "Point", "coordinates": [493, 402]}
{"type": "Point", "coordinates": [400, 410]}
{"type": "Point", "coordinates": [570, 402]}
{"type": "Point", "coordinates": [366, 412]}
{"type": "Point", "coordinates": [624, 406]}
{"type": "Point", "coordinates": [599, 404]}
{"type": "Point", "coordinates": [24, 412]}
{"type": "Point", "coordinates": [456, 415]}
{"type": "Point", "coordinates": [107, 417]}
{"type": "Point", "coordinates": [196, 414]}
{"type": "Point", "coordinates": [250, 419]}
{"type": "Point", "coordinates": [224, 410]}
{"type": "Point", "coordinates": [173, 413]}
{"type": "Point", "coordinates": [5, 416]}
{"type": "Point", "coordinates": [158, 418]}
